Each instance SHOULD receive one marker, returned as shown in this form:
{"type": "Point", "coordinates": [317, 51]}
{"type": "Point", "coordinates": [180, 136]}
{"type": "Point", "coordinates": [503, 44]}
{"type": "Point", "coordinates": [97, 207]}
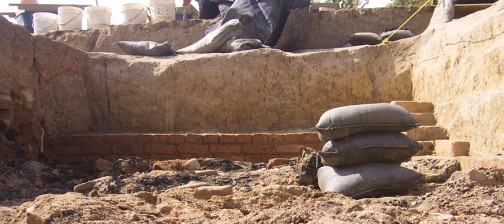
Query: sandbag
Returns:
{"type": "Point", "coordinates": [146, 48]}
{"type": "Point", "coordinates": [369, 147]}
{"type": "Point", "coordinates": [400, 34]}
{"type": "Point", "coordinates": [240, 45]}
{"type": "Point", "coordinates": [364, 38]}
{"type": "Point", "coordinates": [368, 180]}
{"type": "Point", "coordinates": [443, 13]}
{"type": "Point", "coordinates": [343, 121]}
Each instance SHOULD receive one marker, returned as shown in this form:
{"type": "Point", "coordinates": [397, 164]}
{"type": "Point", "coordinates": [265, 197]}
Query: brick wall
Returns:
{"type": "Point", "coordinates": [258, 147]}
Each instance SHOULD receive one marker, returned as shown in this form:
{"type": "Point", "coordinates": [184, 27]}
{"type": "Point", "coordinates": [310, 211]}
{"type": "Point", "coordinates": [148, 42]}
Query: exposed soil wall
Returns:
{"type": "Point", "coordinates": [464, 78]}
{"type": "Point", "coordinates": [456, 66]}
{"type": "Point", "coordinates": [246, 91]}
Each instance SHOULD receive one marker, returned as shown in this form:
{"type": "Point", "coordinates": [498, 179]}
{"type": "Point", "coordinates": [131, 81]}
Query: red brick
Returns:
{"type": "Point", "coordinates": [288, 149]}
{"type": "Point", "coordinates": [236, 158]}
{"type": "Point", "coordinates": [63, 139]}
{"type": "Point", "coordinates": [176, 138]}
{"type": "Point", "coordinates": [65, 149]}
{"type": "Point", "coordinates": [97, 149]}
{"type": "Point", "coordinates": [193, 149]}
{"type": "Point", "coordinates": [95, 139]}
{"type": "Point", "coordinates": [152, 138]}
{"type": "Point", "coordinates": [276, 138]}
{"type": "Point", "coordinates": [227, 138]}
{"type": "Point", "coordinates": [121, 139]}
{"type": "Point", "coordinates": [310, 137]}
{"type": "Point", "coordinates": [258, 149]}
{"type": "Point", "coordinates": [127, 149]}
{"type": "Point", "coordinates": [210, 138]}
{"type": "Point", "coordinates": [78, 139]}
{"type": "Point", "coordinates": [260, 138]}
{"type": "Point", "coordinates": [159, 148]}
{"type": "Point", "coordinates": [293, 138]}
{"type": "Point", "coordinates": [243, 138]}
{"type": "Point", "coordinates": [194, 138]}
{"type": "Point", "coordinates": [225, 149]}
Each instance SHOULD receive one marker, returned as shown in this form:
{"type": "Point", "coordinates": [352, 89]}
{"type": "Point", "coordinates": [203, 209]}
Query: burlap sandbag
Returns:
{"type": "Point", "coordinates": [369, 147]}
{"type": "Point", "coordinates": [343, 121]}
{"type": "Point", "coordinates": [368, 180]}
{"type": "Point", "coordinates": [146, 48]}
{"type": "Point", "coordinates": [364, 38]}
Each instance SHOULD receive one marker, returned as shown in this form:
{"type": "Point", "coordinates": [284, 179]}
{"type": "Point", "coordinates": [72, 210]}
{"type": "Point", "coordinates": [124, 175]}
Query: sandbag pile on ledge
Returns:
{"type": "Point", "coordinates": [363, 149]}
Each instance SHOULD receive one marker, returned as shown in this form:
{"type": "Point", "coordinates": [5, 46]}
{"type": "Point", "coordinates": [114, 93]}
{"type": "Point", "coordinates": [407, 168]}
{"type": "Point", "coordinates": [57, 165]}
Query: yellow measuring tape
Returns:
{"type": "Point", "coordinates": [418, 10]}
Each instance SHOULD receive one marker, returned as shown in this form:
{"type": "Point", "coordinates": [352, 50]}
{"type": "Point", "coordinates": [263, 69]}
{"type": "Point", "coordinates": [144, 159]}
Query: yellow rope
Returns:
{"type": "Point", "coordinates": [418, 10]}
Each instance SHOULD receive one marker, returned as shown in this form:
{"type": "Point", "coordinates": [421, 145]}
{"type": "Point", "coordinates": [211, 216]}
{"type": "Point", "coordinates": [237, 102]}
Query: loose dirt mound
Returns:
{"type": "Point", "coordinates": [258, 195]}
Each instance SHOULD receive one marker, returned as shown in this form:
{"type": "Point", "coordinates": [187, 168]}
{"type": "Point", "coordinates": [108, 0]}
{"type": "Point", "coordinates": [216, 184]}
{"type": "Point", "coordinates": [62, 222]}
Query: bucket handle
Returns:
{"type": "Point", "coordinates": [136, 15]}
{"type": "Point", "coordinates": [48, 26]}
{"type": "Point", "coordinates": [80, 13]}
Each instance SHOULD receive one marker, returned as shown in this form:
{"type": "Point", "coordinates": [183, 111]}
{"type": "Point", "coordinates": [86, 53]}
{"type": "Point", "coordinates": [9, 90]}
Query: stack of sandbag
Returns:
{"type": "Point", "coordinates": [363, 149]}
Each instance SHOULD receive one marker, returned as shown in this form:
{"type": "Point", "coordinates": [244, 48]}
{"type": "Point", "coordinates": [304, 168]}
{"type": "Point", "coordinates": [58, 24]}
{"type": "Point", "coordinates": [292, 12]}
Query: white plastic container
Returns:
{"type": "Point", "coordinates": [98, 17]}
{"type": "Point", "coordinates": [162, 10]}
{"type": "Point", "coordinates": [69, 18]}
{"type": "Point", "coordinates": [44, 22]}
{"type": "Point", "coordinates": [133, 13]}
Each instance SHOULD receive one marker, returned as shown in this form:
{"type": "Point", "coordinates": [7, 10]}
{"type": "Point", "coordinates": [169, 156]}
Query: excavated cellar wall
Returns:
{"type": "Point", "coordinates": [41, 92]}
{"type": "Point", "coordinates": [249, 91]}
{"type": "Point", "coordinates": [465, 78]}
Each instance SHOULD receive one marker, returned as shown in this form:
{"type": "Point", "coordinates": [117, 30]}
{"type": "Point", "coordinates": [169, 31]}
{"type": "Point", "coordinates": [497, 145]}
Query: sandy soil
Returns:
{"type": "Point", "coordinates": [131, 191]}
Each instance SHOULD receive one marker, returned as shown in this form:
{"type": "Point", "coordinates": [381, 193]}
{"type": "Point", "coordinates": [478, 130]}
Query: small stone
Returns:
{"type": "Point", "coordinates": [102, 165]}
{"type": "Point", "coordinates": [206, 172]}
{"type": "Point", "coordinates": [33, 166]}
{"type": "Point", "coordinates": [472, 175]}
{"type": "Point", "coordinates": [93, 194]}
{"type": "Point", "coordinates": [84, 187]}
{"type": "Point", "coordinates": [164, 208]}
{"type": "Point", "coordinates": [277, 162]}
{"type": "Point", "coordinates": [209, 191]}
{"type": "Point", "coordinates": [32, 218]}
{"type": "Point", "coordinates": [26, 95]}
{"type": "Point", "coordinates": [175, 164]}
{"type": "Point", "coordinates": [5, 102]}
{"type": "Point", "coordinates": [193, 184]}
{"type": "Point", "coordinates": [192, 165]}
{"type": "Point", "coordinates": [147, 196]}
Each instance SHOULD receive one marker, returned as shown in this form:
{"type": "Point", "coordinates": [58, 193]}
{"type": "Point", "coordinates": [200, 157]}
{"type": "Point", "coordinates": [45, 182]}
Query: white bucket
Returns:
{"type": "Point", "coordinates": [98, 16]}
{"type": "Point", "coordinates": [44, 22]}
{"type": "Point", "coordinates": [134, 13]}
{"type": "Point", "coordinates": [162, 10]}
{"type": "Point", "coordinates": [69, 18]}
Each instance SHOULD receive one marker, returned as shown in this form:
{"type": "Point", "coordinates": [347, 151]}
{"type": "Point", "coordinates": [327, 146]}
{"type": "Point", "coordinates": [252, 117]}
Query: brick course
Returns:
{"type": "Point", "coordinates": [257, 147]}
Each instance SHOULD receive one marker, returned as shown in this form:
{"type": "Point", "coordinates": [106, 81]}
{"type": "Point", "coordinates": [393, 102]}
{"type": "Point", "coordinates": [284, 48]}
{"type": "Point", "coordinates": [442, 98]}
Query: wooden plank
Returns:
{"type": "Point", "coordinates": [10, 14]}
{"type": "Point", "coordinates": [466, 9]}
{"type": "Point", "coordinates": [43, 7]}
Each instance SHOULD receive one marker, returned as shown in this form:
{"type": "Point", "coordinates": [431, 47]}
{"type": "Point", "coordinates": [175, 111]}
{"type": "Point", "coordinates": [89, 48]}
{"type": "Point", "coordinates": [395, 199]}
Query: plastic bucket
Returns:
{"type": "Point", "coordinates": [98, 16]}
{"type": "Point", "coordinates": [69, 18]}
{"type": "Point", "coordinates": [162, 10]}
{"type": "Point", "coordinates": [44, 22]}
{"type": "Point", "coordinates": [134, 13]}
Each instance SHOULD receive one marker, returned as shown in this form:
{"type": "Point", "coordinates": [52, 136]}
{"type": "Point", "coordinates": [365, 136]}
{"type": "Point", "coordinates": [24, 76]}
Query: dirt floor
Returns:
{"type": "Point", "coordinates": [133, 190]}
